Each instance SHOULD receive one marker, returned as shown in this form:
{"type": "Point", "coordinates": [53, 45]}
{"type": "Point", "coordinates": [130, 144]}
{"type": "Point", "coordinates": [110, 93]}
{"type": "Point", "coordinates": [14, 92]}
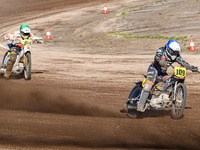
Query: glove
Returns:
{"type": "Point", "coordinates": [7, 36]}
{"type": "Point", "coordinates": [194, 69]}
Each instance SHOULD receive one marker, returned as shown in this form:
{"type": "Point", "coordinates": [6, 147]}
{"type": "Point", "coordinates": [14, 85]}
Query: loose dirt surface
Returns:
{"type": "Point", "coordinates": [81, 78]}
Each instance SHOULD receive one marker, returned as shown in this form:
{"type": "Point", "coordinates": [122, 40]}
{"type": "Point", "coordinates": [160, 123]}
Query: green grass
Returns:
{"type": "Point", "coordinates": [123, 35]}
{"type": "Point", "coordinates": [143, 6]}
{"type": "Point", "coordinates": [124, 13]}
{"type": "Point", "coordinates": [160, 1]}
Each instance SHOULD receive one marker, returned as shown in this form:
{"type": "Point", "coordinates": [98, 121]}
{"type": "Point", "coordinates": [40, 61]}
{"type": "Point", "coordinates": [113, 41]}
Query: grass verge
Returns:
{"type": "Point", "coordinates": [123, 35]}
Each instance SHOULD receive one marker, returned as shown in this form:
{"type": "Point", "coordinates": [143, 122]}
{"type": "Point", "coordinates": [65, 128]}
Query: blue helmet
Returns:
{"type": "Point", "coordinates": [173, 49]}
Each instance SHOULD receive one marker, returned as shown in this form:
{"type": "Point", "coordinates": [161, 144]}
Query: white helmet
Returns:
{"type": "Point", "coordinates": [25, 31]}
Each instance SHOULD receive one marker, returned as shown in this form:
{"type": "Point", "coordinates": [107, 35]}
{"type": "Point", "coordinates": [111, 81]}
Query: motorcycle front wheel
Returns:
{"type": "Point", "coordinates": [178, 105]}
{"type": "Point", "coordinates": [27, 68]}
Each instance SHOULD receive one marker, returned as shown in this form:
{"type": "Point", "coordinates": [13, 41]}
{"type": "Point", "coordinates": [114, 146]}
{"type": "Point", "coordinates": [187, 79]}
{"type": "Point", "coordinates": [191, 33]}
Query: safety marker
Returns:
{"type": "Point", "coordinates": [48, 36]}
{"type": "Point", "coordinates": [105, 11]}
{"type": "Point", "coordinates": [192, 47]}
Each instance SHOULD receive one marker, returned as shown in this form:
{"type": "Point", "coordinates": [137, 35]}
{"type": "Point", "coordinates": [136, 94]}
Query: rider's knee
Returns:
{"type": "Point", "coordinates": [12, 59]}
{"type": "Point", "coordinates": [13, 56]}
{"type": "Point", "coordinates": [148, 85]}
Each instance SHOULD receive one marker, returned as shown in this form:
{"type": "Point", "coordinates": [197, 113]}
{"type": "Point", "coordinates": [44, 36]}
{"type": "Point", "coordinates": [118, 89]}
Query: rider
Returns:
{"type": "Point", "coordinates": [164, 57]}
{"type": "Point", "coordinates": [16, 45]}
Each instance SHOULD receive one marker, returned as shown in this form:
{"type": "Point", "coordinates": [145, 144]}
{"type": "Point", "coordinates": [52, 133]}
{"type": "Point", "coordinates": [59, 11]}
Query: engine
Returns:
{"type": "Point", "coordinates": [157, 101]}
{"type": "Point", "coordinates": [17, 69]}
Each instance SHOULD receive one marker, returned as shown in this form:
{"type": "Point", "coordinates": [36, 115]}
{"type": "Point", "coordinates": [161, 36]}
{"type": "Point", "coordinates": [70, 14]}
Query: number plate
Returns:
{"type": "Point", "coordinates": [180, 72]}
{"type": "Point", "coordinates": [27, 42]}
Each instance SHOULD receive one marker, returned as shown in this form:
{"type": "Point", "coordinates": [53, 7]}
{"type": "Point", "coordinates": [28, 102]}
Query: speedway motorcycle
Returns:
{"type": "Point", "coordinates": [170, 93]}
{"type": "Point", "coordinates": [22, 65]}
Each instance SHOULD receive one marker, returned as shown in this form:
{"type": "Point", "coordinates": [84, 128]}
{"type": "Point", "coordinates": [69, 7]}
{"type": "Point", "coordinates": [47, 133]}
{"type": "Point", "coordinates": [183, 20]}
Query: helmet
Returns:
{"type": "Point", "coordinates": [25, 31]}
{"type": "Point", "coordinates": [173, 49]}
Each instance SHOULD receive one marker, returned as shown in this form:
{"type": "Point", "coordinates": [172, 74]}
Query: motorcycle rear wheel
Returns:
{"type": "Point", "coordinates": [5, 58]}
{"type": "Point", "coordinates": [27, 68]}
{"type": "Point", "coordinates": [135, 93]}
{"type": "Point", "coordinates": [178, 105]}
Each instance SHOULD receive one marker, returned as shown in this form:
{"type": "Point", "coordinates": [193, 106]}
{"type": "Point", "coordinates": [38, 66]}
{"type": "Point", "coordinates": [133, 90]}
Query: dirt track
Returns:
{"type": "Point", "coordinates": [82, 77]}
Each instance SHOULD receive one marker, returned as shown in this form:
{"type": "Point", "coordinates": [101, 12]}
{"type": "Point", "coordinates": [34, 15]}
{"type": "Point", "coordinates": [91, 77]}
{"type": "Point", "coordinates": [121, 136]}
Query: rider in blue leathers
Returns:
{"type": "Point", "coordinates": [164, 57]}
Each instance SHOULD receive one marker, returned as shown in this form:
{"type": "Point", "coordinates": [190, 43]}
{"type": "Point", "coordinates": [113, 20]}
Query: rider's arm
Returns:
{"type": "Point", "coordinates": [158, 55]}
{"type": "Point", "coordinates": [36, 39]}
{"type": "Point", "coordinates": [32, 35]}
{"type": "Point", "coordinates": [10, 36]}
{"type": "Point", "coordinates": [183, 63]}
{"type": "Point", "coordinates": [160, 59]}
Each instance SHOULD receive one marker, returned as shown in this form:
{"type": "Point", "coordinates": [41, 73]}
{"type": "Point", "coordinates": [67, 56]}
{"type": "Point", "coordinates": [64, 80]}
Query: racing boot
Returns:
{"type": "Point", "coordinates": [8, 69]}
{"type": "Point", "coordinates": [7, 74]}
{"type": "Point", "coordinates": [144, 95]}
{"type": "Point", "coordinates": [143, 98]}
{"type": "Point", "coordinates": [9, 66]}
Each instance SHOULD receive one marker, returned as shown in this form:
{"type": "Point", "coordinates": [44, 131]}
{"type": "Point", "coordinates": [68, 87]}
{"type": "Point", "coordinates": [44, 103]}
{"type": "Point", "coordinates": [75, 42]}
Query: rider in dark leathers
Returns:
{"type": "Point", "coordinates": [164, 57]}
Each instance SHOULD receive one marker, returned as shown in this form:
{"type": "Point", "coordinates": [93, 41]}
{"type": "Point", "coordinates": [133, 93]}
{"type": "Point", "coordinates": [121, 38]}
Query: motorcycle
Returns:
{"type": "Point", "coordinates": [22, 65]}
{"type": "Point", "coordinates": [170, 93]}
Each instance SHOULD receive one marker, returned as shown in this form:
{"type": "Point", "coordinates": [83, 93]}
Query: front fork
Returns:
{"type": "Point", "coordinates": [19, 56]}
{"type": "Point", "coordinates": [174, 97]}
